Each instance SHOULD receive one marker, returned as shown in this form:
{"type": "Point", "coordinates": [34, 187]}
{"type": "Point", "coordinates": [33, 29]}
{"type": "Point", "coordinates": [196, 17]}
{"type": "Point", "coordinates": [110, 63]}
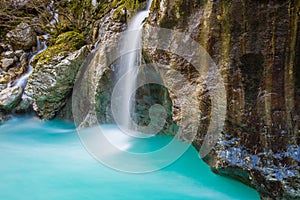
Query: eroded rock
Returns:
{"type": "Point", "coordinates": [257, 57]}
{"type": "Point", "coordinates": [50, 83]}
{"type": "Point", "coordinates": [10, 97]}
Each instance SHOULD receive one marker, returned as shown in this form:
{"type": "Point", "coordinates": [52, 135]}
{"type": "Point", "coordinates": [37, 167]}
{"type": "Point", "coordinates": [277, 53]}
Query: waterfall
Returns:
{"type": "Point", "coordinates": [22, 81]}
{"type": "Point", "coordinates": [131, 50]}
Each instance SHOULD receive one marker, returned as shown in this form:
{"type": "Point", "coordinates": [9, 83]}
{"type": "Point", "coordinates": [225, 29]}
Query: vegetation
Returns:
{"type": "Point", "coordinates": [73, 15]}
{"type": "Point", "coordinates": [65, 43]}
{"type": "Point", "coordinates": [51, 17]}
{"type": "Point", "coordinates": [69, 22]}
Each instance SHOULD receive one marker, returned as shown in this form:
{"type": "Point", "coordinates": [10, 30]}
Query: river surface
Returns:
{"type": "Point", "coordinates": [46, 160]}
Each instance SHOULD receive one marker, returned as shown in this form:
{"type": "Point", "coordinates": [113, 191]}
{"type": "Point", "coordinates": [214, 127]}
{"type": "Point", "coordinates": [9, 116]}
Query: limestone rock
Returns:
{"type": "Point", "coordinates": [95, 90]}
{"type": "Point", "coordinates": [258, 58]}
{"type": "Point", "coordinates": [51, 83]}
{"type": "Point", "coordinates": [10, 97]}
{"type": "Point", "coordinates": [22, 37]}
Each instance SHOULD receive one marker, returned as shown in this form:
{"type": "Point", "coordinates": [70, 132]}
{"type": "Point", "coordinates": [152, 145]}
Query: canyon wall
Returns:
{"type": "Point", "coordinates": [252, 46]}
{"type": "Point", "coordinates": [256, 46]}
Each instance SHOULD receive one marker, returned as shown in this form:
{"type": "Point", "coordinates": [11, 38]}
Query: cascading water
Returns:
{"type": "Point", "coordinates": [131, 51]}
{"type": "Point", "coordinates": [22, 81]}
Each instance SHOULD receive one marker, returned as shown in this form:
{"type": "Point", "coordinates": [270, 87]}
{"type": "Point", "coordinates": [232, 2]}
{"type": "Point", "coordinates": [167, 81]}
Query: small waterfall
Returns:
{"type": "Point", "coordinates": [41, 46]}
{"type": "Point", "coordinates": [54, 13]}
{"type": "Point", "coordinates": [131, 50]}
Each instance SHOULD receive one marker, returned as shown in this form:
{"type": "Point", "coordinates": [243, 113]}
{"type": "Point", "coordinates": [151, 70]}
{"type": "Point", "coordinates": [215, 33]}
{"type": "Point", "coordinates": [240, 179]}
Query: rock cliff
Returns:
{"type": "Point", "coordinates": [256, 47]}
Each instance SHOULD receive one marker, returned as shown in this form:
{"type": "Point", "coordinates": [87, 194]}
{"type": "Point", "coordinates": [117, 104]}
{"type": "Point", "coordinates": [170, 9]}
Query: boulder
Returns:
{"type": "Point", "coordinates": [52, 81]}
{"type": "Point", "coordinates": [10, 97]}
{"type": "Point", "coordinates": [7, 62]}
{"type": "Point", "coordinates": [22, 37]}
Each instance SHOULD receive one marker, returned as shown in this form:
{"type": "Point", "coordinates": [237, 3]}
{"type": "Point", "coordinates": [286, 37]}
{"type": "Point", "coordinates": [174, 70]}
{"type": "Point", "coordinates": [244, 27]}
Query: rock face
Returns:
{"type": "Point", "coordinates": [10, 97]}
{"type": "Point", "coordinates": [51, 83]}
{"type": "Point", "coordinates": [256, 46]}
{"type": "Point", "coordinates": [91, 102]}
{"type": "Point", "coordinates": [22, 37]}
{"type": "Point", "coordinates": [24, 106]}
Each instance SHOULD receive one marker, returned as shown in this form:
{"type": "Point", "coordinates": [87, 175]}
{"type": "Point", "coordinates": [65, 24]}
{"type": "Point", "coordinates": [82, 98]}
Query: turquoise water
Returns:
{"type": "Point", "coordinates": [46, 160]}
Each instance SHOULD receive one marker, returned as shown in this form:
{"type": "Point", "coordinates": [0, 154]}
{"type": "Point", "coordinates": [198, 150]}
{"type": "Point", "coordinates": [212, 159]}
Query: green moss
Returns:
{"type": "Point", "coordinates": [71, 39]}
{"type": "Point", "coordinates": [62, 46]}
{"type": "Point", "coordinates": [130, 6]}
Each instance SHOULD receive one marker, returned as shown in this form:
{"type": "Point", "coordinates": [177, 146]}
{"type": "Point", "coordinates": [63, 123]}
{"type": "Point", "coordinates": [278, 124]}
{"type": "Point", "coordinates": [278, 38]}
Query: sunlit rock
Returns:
{"type": "Point", "coordinates": [10, 97]}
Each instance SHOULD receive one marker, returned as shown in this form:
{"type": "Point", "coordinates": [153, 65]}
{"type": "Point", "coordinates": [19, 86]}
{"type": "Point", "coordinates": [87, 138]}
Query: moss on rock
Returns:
{"type": "Point", "coordinates": [64, 44]}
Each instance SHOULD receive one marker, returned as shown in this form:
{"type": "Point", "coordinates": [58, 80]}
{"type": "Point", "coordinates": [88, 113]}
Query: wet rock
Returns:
{"type": "Point", "coordinates": [66, 112]}
{"type": "Point", "coordinates": [24, 60]}
{"type": "Point", "coordinates": [4, 117]}
{"type": "Point", "coordinates": [1, 118]}
{"type": "Point", "coordinates": [96, 90]}
{"type": "Point", "coordinates": [22, 37]}
{"type": "Point", "coordinates": [7, 62]}
{"type": "Point", "coordinates": [10, 97]}
{"type": "Point", "coordinates": [24, 106]}
{"type": "Point", "coordinates": [51, 82]}
{"type": "Point", "coordinates": [262, 109]}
